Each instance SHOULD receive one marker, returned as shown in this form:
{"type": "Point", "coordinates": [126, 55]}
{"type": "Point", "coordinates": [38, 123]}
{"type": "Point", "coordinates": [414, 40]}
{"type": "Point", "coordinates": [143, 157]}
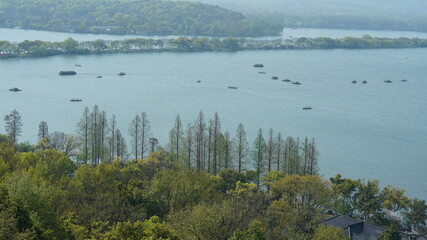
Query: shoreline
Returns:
{"type": "Point", "coordinates": [37, 48]}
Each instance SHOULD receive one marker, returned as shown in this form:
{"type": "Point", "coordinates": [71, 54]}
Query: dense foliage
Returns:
{"type": "Point", "coordinates": [149, 17]}
{"type": "Point", "coordinates": [193, 188]}
{"type": "Point", "coordinates": [39, 48]}
{"type": "Point", "coordinates": [341, 14]}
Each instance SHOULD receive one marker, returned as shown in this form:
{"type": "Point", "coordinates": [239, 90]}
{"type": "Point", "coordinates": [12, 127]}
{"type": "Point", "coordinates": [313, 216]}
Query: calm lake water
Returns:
{"type": "Point", "coordinates": [19, 35]}
{"type": "Point", "coordinates": [374, 130]}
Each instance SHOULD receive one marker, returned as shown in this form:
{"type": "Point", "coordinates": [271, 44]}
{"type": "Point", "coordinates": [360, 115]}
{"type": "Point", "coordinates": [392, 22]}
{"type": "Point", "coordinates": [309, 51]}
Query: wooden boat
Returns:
{"type": "Point", "coordinates": [67, 73]}
{"type": "Point", "coordinates": [388, 81]}
{"type": "Point", "coordinates": [307, 108]}
{"type": "Point", "coordinates": [364, 81]}
{"type": "Point", "coordinates": [199, 81]}
{"type": "Point", "coordinates": [286, 80]}
{"type": "Point", "coordinates": [99, 77]}
{"type": "Point", "coordinates": [403, 80]}
{"type": "Point", "coordinates": [77, 65]}
{"type": "Point", "coordinates": [232, 87]}
{"type": "Point", "coordinates": [75, 100]}
{"type": "Point", "coordinates": [274, 77]}
{"type": "Point", "coordinates": [121, 74]}
{"type": "Point", "coordinates": [262, 72]}
{"type": "Point", "coordinates": [354, 81]}
{"type": "Point", "coordinates": [296, 83]}
{"type": "Point", "coordinates": [15, 89]}
{"type": "Point", "coordinates": [259, 65]}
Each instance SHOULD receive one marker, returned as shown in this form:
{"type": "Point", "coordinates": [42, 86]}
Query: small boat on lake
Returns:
{"type": "Point", "coordinates": [296, 83]}
{"type": "Point", "coordinates": [77, 65]}
{"type": "Point", "coordinates": [199, 81]}
{"type": "Point", "coordinates": [403, 80]}
{"type": "Point", "coordinates": [99, 76]}
{"type": "Point", "coordinates": [274, 77]}
{"type": "Point", "coordinates": [262, 72]}
{"type": "Point", "coordinates": [354, 81]}
{"type": "Point", "coordinates": [15, 89]}
{"type": "Point", "coordinates": [286, 80]}
{"type": "Point", "coordinates": [259, 65]}
{"type": "Point", "coordinates": [388, 81]}
{"type": "Point", "coordinates": [307, 108]}
{"type": "Point", "coordinates": [67, 73]}
{"type": "Point", "coordinates": [75, 100]}
{"type": "Point", "coordinates": [232, 87]}
{"type": "Point", "coordinates": [121, 74]}
{"type": "Point", "coordinates": [364, 81]}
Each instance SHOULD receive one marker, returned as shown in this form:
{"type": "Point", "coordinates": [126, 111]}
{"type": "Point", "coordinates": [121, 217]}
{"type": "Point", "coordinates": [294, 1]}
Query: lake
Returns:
{"type": "Point", "coordinates": [374, 130]}
{"type": "Point", "coordinates": [19, 35]}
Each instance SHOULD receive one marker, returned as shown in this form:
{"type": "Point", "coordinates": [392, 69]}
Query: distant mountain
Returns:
{"type": "Point", "coordinates": [362, 14]}
{"type": "Point", "coordinates": [150, 17]}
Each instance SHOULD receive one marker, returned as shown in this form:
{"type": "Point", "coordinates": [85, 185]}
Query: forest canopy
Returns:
{"type": "Point", "coordinates": [148, 17]}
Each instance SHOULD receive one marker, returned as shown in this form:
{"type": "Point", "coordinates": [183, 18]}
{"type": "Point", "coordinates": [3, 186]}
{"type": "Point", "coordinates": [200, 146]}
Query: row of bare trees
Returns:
{"type": "Point", "coordinates": [100, 139]}
{"type": "Point", "coordinates": [203, 146]}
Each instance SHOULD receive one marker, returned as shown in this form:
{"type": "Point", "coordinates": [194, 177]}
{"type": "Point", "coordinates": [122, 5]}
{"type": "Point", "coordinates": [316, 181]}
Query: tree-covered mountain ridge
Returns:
{"type": "Point", "coordinates": [148, 17]}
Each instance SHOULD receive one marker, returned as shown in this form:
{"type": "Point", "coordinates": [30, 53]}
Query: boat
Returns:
{"type": "Point", "coordinates": [364, 81]}
{"type": "Point", "coordinates": [274, 77]}
{"type": "Point", "coordinates": [75, 100]}
{"type": "Point", "coordinates": [232, 87]}
{"type": "Point", "coordinates": [403, 80]}
{"type": "Point", "coordinates": [199, 81]}
{"type": "Point", "coordinates": [67, 73]}
{"type": "Point", "coordinates": [388, 81]}
{"type": "Point", "coordinates": [99, 76]}
{"type": "Point", "coordinates": [15, 89]}
{"type": "Point", "coordinates": [77, 65]}
{"type": "Point", "coordinates": [286, 80]}
{"type": "Point", "coordinates": [354, 81]}
{"type": "Point", "coordinates": [307, 108]}
{"type": "Point", "coordinates": [121, 74]}
{"type": "Point", "coordinates": [259, 65]}
{"type": "Point", "coordinates": [262, 72]}
{"type": "Point", "coordinates": [296, 83]}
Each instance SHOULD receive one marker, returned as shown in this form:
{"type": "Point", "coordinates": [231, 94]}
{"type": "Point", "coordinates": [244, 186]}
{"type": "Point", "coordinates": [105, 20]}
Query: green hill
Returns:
{"type": "Point", "coordinates": [150, 17]}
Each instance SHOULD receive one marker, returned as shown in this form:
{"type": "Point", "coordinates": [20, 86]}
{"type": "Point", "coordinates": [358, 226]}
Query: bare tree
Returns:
{"type": "Point", "coordinates": [176, 138]}
{"type": "Point", "coordinates": [241, 146]}
{"type": "Point", "coordinates": [258, 151]}
{"type": "Point", "coordinates": [112, 139]}
{"type": "Point", "coordinates": [65, 143]}
{"type": "Point", "coordinates": [120, 146]}
{"type": "Point", "coordinates": [270, 150]}
{"type": "Point", "coordinates": [13, 125]}
{"type": "Point", "coordinates": [135, 134]}
{"type": "Point", "coordinates": [189, 143]}
{"type": "Point", "coordinates": [199, 138]}
{"type": "Point", "coordinates": [216, 133]}
{"type": "Point", "coordinates": [145, 134]}
{"type": "Point", "coordinates": [83, 132]}
{"type": "Point", "coordinates": [43, 130]}
{"type": "Point", "coordinates": [228, 147]}
{"type": "Point", "coordinates": [153, 142]}
{"type": "Point", "coordinates": [279, 147]}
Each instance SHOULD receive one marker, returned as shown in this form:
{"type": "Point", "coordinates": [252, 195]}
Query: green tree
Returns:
{"type": "Point", "coordinates": [416, 216]}
{"type": "Point", "coordinates": [70, 46]}
{"type": "Point", "coordinates": [323, 232]}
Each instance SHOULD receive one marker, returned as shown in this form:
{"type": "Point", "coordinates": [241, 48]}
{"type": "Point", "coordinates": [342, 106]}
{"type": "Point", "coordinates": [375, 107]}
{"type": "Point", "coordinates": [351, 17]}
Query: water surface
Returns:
{"type": "Point", "coordinates": [373, 130]}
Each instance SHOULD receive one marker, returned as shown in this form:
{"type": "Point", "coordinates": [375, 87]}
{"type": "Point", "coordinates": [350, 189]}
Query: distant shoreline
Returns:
{"type": "Point", "coordinates": [37, 48]}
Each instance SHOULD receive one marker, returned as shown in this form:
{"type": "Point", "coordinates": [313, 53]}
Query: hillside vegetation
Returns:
{"type": "Point", "coordinates": [363, 14]}
{"type": "Point", "coordinates": [151, 17]}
